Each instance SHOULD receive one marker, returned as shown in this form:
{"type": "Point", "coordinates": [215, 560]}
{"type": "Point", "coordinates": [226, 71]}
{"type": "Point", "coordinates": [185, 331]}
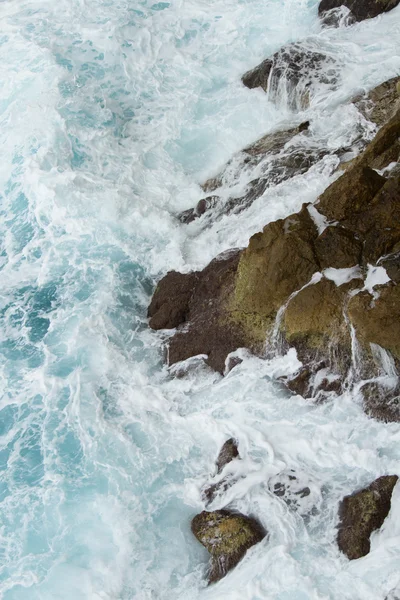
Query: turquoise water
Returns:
{"type": "Point", "coordinates": [111, 113]}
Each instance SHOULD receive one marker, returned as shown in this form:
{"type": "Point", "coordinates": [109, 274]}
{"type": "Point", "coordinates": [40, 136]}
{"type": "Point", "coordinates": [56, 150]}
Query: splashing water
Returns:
{"type": "Point", "coordinates": [111, 114]}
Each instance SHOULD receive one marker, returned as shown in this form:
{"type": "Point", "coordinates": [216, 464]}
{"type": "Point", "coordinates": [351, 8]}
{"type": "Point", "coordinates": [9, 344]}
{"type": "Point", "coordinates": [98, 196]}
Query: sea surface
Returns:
{"type": "Point", "coordinates": [112, 112]}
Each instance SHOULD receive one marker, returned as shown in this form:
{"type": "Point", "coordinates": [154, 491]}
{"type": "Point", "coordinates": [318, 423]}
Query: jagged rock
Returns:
{"type": "Point", "coordinates": [363, 512]}
{"type": "Point", "coordinates": [360, 9]}
{"type": "Point", "coordinates": [313, 323]}
{"type": "Point", "coordinates": [377, 320]}
{"type": "Point", "coordinates": [381, 103]}
{"type": "Point", "coordinates": [338, 248]}
{"type": "Point", "coordinates": [228, 452]}
{"type": "Point", "coordinates": [297, 67]}
{"type": "Point", "coordinates": [384, 148]}
{"type": "Point", "coordinates": [170, 303]}
{"type": "Point", "coordinates": [382, 401]}
{"type": "Point", "coordinates": [277, 262]}
{"type": "Point", "coordinates": [315, 379]}
{"type": "Point", "coordinates": [392, 265]}
{"type": "Point", "coordinates": [378, 224]}
{"type": "Point", "coordinates": [227, 536]}
{"type": "Point", "coordinates": [350, 193]}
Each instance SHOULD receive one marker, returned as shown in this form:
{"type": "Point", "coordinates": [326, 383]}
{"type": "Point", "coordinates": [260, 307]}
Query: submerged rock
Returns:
{"type": "Point", "coordinates": [228, 453]}
{"type": "Point", "coordinates": [296, 490]}
{"type": "Point", "coordinates": [362, 513]}
{"type": "Point", "coordinates": [360, 9]}
{"type": "Point", "coordinates": [227, 536]}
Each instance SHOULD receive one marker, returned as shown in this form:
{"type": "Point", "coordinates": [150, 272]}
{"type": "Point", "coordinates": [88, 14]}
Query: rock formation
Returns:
{"type": "Point", "coordinates": [363, 512]}
{"type": "Point", "coordinates": [227, 536]}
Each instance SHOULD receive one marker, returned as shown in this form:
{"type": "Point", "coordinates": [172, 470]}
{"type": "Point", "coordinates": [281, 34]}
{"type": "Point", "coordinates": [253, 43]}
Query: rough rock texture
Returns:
{"type": "Point", "coordinates": [296, 67]}
{"type": "Point", "coordinates": [363, 512]}
{"type": "Point", "coordinates": [380, 104]}
{"type": "Point", "coordinates": [350, 193]}
{"type": "Point", "coordinates": [170, 303]}
{"type": "Point", "coordinates": [382, 401]}
{"type": "Point", "coordinates": [360, 9]}
{"type": "Point", "coordinates": [227, 536]}
{"type": "Point", "coordinates": [338, 248]}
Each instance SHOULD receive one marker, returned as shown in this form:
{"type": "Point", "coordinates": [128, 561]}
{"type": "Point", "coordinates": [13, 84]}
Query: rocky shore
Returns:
{"type": "Point", "coordinates": [324, 280]}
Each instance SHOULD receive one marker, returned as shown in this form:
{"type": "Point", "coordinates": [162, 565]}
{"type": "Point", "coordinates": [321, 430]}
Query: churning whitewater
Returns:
{"type": "Point", "coordinates": [112, 114]}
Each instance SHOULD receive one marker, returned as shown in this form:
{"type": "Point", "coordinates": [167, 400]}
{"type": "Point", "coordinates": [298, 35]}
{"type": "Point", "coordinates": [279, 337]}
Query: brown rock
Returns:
{"type": "Point", "coordinates": [227, 536]}
{"type": "Point", "coordinates": [350, 193]}
{"type": "Point", "coordinates": [228, 452]}
{"type": "Point", "coordinates": [170, 303]}
{"type": "Point", "coordinates": [382, 402]}
{"type": "Point", "coordinates": [363, 512]}
{"type": "Point", "coordinates": [277, 262]}
{"type": "Point", "coordinates": [392, 265]}
{"type": "Point", "coordinates": [379, 223]}
{"type": "Point", "coordinates": [338, 248]}
{"type": "Point", "coordinates": [381, 103]}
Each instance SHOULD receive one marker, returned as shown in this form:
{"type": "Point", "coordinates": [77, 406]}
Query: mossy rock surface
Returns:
{"type": "Point", "coordinates": [362, 513]}
{"type": "Point", "coordinates": [227, 536]}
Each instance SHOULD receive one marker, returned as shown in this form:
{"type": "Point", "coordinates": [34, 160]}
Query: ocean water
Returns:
{"type": "Point", "coordinates": [111, 114]}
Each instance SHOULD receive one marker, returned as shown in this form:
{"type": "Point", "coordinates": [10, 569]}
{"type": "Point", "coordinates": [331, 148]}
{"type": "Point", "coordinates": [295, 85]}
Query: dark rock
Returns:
{"type": "Point", "coordinates": [384, 148]}
{"type": "Point", "coordinates": [227, 536]}
{"type": "Point", "coordinates": [337, 17]}
{"type": "Point", "coordinates": [350, 193]}
{"type": "Point", "coordinates": [228, 452]}
{"type": "Point", "coordinates": [377, 320]}
{"type": "Point", "coordinates": [297, 67]}
{"type": "Point", "coordinates": [338, 248]}
{"type": "Point", "coordinates": [378, 225]}
{"type": "Point", "coordinates": [392, 265]}
{"type": "Point", "coordinates": [360, 9]}
{"type": "Point", "coordinates": [314, 379]}
{"type": "Point", "coordinates": [170, 303]}
{"type": "Point", "coordinates": [363, 512]}
{"type": "Point", "coordinates": [187, 216]}
{"type": "Point", "coordinates": [381, 401]}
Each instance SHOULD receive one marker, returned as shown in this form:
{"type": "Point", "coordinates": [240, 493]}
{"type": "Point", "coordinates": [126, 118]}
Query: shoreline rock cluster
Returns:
{"type": "Point", "coordinates": [324, 280]}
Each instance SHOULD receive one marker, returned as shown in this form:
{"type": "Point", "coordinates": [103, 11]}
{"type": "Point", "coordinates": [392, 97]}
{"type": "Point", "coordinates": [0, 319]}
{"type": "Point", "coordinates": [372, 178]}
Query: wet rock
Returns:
{"type": "Point", "coordinates": [378, 224]}
{"type": "Point", "coordinates": [382, 401]}
{"type": "Point", "coordinates": [360, 9]}
{"type": "Point", "coordinates": [384, 148]}
{"type": "Point", "coordinates": [362, 513]}
{"type": "Point", "coordinates": [227, 536]}
{"type": "Point", "coordinates": [314, 379]}
{"type": "Point", "coordinates": [277, 262]}
{"type": "Point", "coordinates": [338, 248]}
{"type": "Point", "coordinates": [170, 303]}
{"type": "Point", "coordinates": [377, 320]}
{"type": "Point", "coordinates": [206, 329]}
{"type": "Point", "coordinates": [296, 67]}
{"type": "Point", "coordinates": [313, 323]}
{"type": "Point", "coordinates": [350, 193]}
{"type": "Point", "coordinates": [187, 216]}
{"type": "Point", "coordinates": [392, 265]}
{"type": "Point", "coordinates": [228, 453]}
{"type": "Point", "coordinates": [381, 103]}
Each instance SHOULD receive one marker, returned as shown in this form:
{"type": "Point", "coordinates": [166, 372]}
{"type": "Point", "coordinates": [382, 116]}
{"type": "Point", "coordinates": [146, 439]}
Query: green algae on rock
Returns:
{"type": "Point", "coordinates": [362, 513]}
{"type": "Point", "coordinates": [227, 536]}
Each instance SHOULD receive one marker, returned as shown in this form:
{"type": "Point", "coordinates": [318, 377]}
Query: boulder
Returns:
{"type": "Point", "coordinates": [203, 205]}
{"type": "Point", "coordinates": [294, 68]}
{"type": "Point", "coordinates": [360, 9]}
{"type": "Point", "coordinates": [362, 513]}
{"type": "Point", "coordinates": [170, 302]}
{"type": "Point", "coordinates": [350, 193]}
{"type": "Point", "coordinates": [227, 536]}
